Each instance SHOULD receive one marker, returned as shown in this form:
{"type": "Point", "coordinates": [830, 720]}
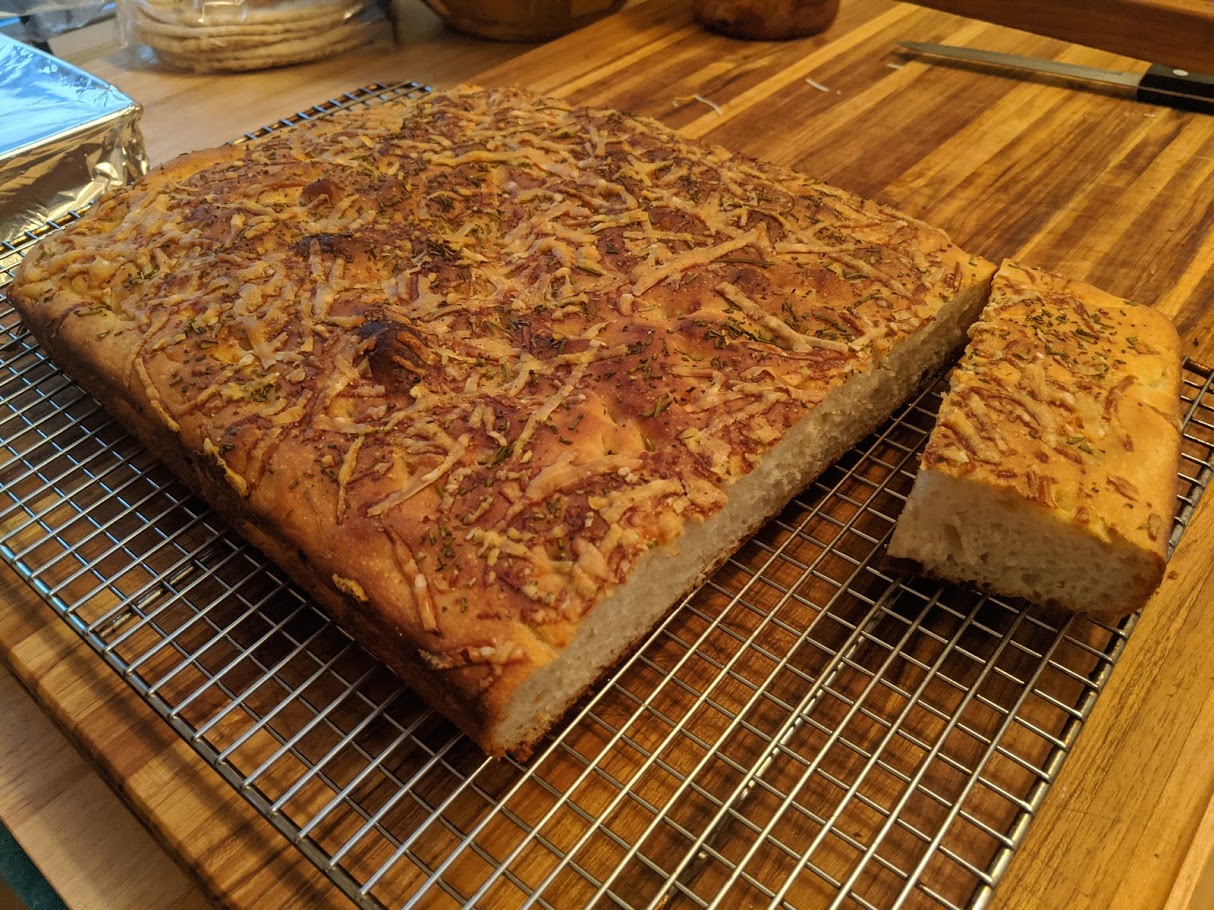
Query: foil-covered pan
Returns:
{"type": "Point", "coordinates": [65, 138]}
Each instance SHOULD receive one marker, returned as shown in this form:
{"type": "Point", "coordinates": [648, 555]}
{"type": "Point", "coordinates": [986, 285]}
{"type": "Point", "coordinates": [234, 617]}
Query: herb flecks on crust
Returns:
{"type": "Point", "coordinates": [1057, 381]}
{"type": "Point", "coordinates": [525, 343]}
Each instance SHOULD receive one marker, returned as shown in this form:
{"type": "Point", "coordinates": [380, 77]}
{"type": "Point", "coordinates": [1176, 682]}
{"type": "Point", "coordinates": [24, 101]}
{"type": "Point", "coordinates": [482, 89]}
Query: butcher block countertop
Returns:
{"type": "Point", "coordinates": [1098, 187]}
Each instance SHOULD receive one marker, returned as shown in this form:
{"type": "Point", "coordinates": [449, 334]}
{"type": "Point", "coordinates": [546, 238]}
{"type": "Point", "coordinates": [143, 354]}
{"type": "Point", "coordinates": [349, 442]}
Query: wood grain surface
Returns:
{"type": "Point", "coordinates": [65, 816]}
{"type": "Point", "coordinates": [1172, 32]}
{"type": "Point", "coordinates": [1099, 187]}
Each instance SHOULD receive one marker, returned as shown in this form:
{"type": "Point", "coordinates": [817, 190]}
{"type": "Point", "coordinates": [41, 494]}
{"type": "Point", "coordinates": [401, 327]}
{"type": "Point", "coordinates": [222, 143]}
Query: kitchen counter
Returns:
{"type": "Point", "coordinates": [1101, 188]}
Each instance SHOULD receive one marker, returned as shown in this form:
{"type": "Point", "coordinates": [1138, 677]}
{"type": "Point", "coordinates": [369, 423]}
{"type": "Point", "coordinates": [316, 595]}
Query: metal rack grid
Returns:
{"type": "Point", "coordinates": [808, 729]}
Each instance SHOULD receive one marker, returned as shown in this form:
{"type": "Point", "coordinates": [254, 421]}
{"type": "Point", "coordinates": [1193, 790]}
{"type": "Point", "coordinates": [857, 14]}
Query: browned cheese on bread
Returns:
{"type": "Point", "coordinates": [1051, 472]}
{"type": "Point", "coordinates": [497, 380]}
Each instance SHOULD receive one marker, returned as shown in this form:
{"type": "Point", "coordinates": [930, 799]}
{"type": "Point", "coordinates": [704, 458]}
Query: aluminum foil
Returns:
{"type": "Point", "coordinates": [65, 138]}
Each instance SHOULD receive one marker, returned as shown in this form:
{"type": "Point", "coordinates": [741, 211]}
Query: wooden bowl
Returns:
{"type": "Point", "coordinates": [767, 20]}
{"type": "Point", "coordinates": [521, 20]}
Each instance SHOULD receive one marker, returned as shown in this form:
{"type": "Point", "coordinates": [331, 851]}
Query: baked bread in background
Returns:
{"type": "Point", "coordinates": [1051, 472]}
{"type": "Point", "coordinates": [495, 379]}
{"type": "Point", "coordinates": [208, 37]}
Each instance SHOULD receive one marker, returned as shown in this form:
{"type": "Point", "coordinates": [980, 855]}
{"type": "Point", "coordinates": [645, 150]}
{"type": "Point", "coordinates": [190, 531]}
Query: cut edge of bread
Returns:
{"type": "Point", "coordinates": [616, 625]}
{"type": "Point", "coordinates": [962, 530]}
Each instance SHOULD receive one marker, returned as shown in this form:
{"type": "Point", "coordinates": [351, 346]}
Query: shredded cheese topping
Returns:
{"type": "Point", "coordinates": [505, 345]}
{"type": "Point", "coordinates": [1055, 378]}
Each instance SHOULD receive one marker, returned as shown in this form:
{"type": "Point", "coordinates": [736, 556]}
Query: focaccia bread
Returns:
{"type": "Point", "coordinates": [1051, 472]}
{"type": "Point", "coordinates": [496, 380]}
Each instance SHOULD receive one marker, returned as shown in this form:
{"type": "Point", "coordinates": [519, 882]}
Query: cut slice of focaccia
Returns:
{"type": "Point", "coordinates": [1051, 473]}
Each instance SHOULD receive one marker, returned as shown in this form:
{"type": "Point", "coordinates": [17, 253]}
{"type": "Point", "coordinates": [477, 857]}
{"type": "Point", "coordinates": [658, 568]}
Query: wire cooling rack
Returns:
{"type": "Point", "coordinates": [809, 729]}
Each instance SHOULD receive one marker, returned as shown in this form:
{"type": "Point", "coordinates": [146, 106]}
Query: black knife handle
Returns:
{"type": "Point", "coordinates": [1178, 88]}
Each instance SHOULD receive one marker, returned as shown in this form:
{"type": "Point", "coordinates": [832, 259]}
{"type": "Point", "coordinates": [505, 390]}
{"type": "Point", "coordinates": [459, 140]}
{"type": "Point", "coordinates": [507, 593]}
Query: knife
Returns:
{"type": "Point", "coordinates": [1163, 85]}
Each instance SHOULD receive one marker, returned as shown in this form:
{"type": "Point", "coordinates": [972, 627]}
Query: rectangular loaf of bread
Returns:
{"type": "Point", "coordinates": [1051, 472]}
{"type": "Point", "coordinates": [495, 379]}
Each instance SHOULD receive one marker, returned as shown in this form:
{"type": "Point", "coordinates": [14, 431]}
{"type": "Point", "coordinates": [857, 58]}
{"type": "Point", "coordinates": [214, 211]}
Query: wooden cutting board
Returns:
{"type": "Point", "coordinates": [1101, 188]}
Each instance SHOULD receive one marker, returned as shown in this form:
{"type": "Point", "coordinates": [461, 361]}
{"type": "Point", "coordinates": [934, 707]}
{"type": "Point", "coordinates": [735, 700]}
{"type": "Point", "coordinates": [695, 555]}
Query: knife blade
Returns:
{"type": "Point", "coordinates": [1161, 85]}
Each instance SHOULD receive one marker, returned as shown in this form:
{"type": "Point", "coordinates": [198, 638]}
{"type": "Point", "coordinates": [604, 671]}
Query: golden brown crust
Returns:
{"type": "Point", "coordinates": [459, 363]}
{"type": "Point", "coordinates": [1068, 398]}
